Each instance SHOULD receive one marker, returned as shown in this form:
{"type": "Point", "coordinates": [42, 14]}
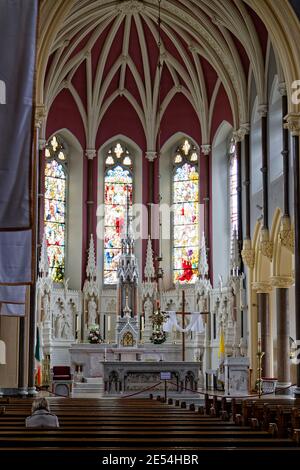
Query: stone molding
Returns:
{"type": "Point", "coordinates": [282, 281]}
{"type": "Point", "coordinates": [286, 234]}
{"type": "Point", "coordinates": [262, 287]}
{"type": "Point", "coordinates": [265, 244]}
{"type": "Point", "coordinates": [293, 123]}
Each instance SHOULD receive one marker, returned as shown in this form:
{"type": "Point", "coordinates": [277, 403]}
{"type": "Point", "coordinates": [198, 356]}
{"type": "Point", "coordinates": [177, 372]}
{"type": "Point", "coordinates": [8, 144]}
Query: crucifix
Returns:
{"type": "Point", "coordinates": [183, 313]}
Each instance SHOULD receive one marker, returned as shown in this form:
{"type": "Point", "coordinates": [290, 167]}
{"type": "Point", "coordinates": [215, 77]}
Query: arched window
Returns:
{"type": "Point", "coordinates": [55, 206]}
{"type": "Point", "coordinates": [233, 185]}
{"type": "Point", "coordinates": [118, 182]}
{"type": "Point", "coordinates": [186, 214]}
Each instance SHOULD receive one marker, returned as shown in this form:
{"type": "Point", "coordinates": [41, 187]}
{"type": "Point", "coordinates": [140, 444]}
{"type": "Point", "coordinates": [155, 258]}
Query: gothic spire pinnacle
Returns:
{"type": "Point", "coordinates": [203, 264]}
{"type": "Point", "coordinates": [44, 263]}
{"type": "Point", "coordinates": [91, 271]}
{"type": "Point", "coordinates": [128, 237]}
{"type": "Point", "coordinates": [235, 260]}
{"type": "Point", "coordinates": [149, 271]}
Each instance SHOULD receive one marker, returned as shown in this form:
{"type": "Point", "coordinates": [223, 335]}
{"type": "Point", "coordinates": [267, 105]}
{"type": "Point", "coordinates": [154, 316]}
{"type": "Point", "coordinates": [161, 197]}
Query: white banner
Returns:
{"type": "Point", "coordinates": [195, 324]}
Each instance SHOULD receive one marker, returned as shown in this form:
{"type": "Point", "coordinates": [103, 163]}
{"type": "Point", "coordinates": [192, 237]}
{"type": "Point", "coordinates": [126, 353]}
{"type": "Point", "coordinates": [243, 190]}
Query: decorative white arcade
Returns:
{"type": "Point", "coordinates": [65, 317]}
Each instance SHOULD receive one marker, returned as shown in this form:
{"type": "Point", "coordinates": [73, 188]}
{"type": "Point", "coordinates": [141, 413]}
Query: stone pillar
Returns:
{"type": "Point", "coordinates": [90, 154]}
{"type": "Point", "coordinates": [293, 124]}
{"type": "Point", "coordinates": [40, 115]}
{"type": "Point", "coordinates": [206, 152]}
{"type": "Point", "coordinates": [263, 316]}
{"type": "Point", "coordinates": [282, 283]}
{"type": "Point", "coordinates": [21, 358]}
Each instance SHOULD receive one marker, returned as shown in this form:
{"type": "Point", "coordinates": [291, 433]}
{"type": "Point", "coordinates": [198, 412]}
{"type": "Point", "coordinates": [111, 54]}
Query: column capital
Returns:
{"type": "Point", "coordinates": [205, 149]}
{"type": "Point", "coordinates": [42, 143]}
{"type": "Point", "coordinates": [282, 88]}
{"type": "Point", "coordinates": [293, 123]}
{"type": "Point", "coordinates": [265, 244]}
{"type": "Point", "coordinates": [262, 287]}
{"type": "Point", "coordinates": [286, 233]}
{"type": "Point", "coordinates": [248, 253]}
{"type": "Point", "coordinates": [282, 281]}
{"type": "Point", "coordinates": [90, 154]}
{"type": "Point", "coordinates": [151, 155]}
{"type": "Point", "coordinates": [40, 114]}
{"type": "Point", "coordinates": [240, 133]}
{"type": "Point", "coordinates": [262, 110]}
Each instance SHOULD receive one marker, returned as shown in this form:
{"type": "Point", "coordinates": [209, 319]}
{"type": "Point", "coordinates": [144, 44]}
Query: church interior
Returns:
{"type": "Point", "coordinates": [166, 252]}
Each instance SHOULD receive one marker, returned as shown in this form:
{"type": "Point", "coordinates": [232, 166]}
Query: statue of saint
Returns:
{"type": "Point", "coordinates": [92, 312]}
{"type": "Point", "coordinates": [59, 322]}
{"type": "Point", "coordinates": [148, 308]}
{"type": "Point", "coordinates": [46, 308]}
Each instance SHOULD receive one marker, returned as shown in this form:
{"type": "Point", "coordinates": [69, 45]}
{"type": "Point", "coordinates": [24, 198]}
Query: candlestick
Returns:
{"type": "Point", "coordinates": [108, 323]}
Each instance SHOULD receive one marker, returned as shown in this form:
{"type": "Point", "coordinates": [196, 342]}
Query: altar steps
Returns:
{"type": "Point", "coordinates": [90, 388]}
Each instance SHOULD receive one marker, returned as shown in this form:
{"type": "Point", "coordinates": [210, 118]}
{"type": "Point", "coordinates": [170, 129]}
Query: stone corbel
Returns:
{"type": "Point", "coordinates": [151, 155]}
{"type": "Point", "coordinates": [265, 244]}
{"type": "Point", "coordinates": [282, 282]}
{"type": "Point", "coordinates": [239, 134]}
{"type": "Point", "coordinates": [205, 149]}
{"type": "Point", "coordinates": [262, 287]}
{"type": "Point", "coordinates": [293, 123]}
{"type": "Point", "coordinates": [90, 154]}
{"type": "Point", "coordinates": [286, 234]}
{"type": "Point", "coordinates": [40, 115]}
{"type": "Point", "coordinates": [248, 253]}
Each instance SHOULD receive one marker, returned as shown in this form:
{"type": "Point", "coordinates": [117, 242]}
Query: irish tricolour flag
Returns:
{"type": "Point", "coordinates": [38, 359]}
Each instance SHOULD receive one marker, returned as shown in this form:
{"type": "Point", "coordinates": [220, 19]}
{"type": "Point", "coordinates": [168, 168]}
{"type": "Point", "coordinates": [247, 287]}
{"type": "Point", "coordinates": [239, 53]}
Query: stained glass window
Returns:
{"type": "Point", "coordinates": [233, 184]}
{"type": "Point", "coordinates": [55, 206]}
{"type": "Point", "coordinates": [117, 184]}
{"type": "Point", "coordinates": [186, 214]}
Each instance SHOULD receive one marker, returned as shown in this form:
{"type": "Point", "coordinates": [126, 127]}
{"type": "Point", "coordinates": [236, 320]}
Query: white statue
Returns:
{"type": "Point", "coordinates": [46, 308]}
{"type": "Point", "coordinates": [92, 312]}
{"type": "Point", "coordinates": [148, 308]}
{"type": "Point", "coordinates": [66, 330]}
{"type": "Point", "coordinates": [59, 322]}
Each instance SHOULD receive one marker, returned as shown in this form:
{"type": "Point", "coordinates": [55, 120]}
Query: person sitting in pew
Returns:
{"type": "Point", "coordinates": [41, 416]}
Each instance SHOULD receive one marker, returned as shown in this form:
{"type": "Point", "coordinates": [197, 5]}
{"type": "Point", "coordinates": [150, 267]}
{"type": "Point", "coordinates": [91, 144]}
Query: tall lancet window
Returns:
{"type": "Point", "coordinates": [233, 185]}
{"type": "Point", "coordinates": [55, 206]}
{"type": "Point", "coordinates": [118, 182]}
{"type": "Point", "coordinates": [186, 213]}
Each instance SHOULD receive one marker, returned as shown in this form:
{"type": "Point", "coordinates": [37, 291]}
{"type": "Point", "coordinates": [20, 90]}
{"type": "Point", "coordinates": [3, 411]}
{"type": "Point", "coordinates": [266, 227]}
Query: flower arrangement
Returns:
{"type": "Point", "coordinates": [94, 335]}
{"type": "Point", "coordinates": [158, 337]}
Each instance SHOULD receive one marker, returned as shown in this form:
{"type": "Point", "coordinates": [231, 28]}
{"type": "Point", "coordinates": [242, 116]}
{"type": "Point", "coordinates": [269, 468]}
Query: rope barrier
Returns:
{"type": "Point", "coordinates": [209, 393]}
{"type": "Point", "coordinates": [141, 391]}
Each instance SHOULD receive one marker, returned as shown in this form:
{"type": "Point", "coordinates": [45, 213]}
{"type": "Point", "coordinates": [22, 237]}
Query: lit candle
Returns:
{"type": "Point", "coordinates": [108, 323]}
{"type": "Point", "coordinates": [142, 323]}
{"type": "Point", "coordinates": [259, 331]}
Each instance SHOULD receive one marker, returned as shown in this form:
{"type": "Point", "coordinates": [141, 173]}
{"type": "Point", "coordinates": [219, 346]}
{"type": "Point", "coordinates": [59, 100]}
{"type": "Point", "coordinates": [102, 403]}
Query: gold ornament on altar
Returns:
{"type": "Point", "coordinates": [158, 335]}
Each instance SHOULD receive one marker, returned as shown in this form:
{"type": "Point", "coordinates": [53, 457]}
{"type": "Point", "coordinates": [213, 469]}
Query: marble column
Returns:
{"type": "Point", "coordinates": [21, 359]}
{"type": "Point", "coordinates": [263, 316]}
{"type": "Point", "coordinates": [264, 319]}
{"type": "Point", "coordinates": [283, 330]}
{"type": "Point", "coordinates": [293, 124]}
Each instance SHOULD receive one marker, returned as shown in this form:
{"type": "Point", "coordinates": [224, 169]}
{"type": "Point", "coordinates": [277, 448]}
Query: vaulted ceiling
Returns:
{"type": "Point", "coordinates": [103, 65]}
